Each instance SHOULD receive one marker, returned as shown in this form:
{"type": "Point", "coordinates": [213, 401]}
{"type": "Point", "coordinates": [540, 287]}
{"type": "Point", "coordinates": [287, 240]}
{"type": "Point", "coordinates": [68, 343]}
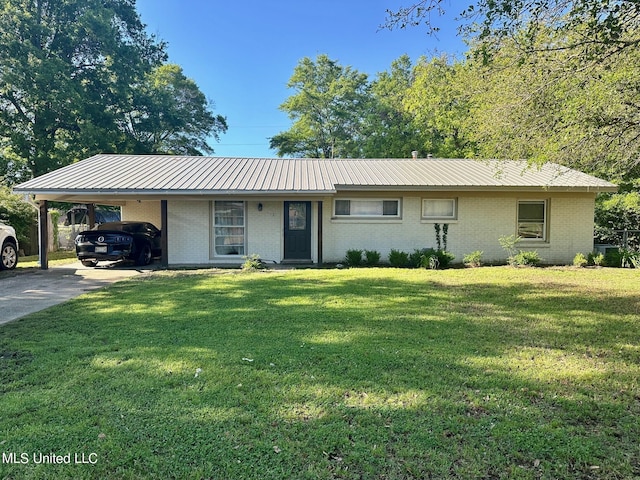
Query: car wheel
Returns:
{"type": "Point", "coordinates": [9, 256]}
{"type": "Point", "coordinates": [89, 263]}
{"type": "Point", "coordinates": [144, 255]}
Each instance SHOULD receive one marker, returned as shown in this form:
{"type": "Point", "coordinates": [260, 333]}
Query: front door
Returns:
{"type": "Point", "coordinates": [297, 230]}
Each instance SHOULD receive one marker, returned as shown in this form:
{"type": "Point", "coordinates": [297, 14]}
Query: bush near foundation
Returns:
{"type": "Point", "coordinates": [580, 260]}
{"type": "Point", "coordinates": [354, 258]}
{"type": "Point", "coordinates": [398, 259]}
{"type": "Point", "coordinates": [371, 258]}
{"type": "Point", "coordinates": [473, 259]}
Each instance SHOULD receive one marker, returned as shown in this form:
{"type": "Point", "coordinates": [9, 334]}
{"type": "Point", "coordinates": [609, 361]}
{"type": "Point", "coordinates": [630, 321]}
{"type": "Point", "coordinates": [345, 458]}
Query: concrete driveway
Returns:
{"type": "Point", "coordinates": [22, 293]}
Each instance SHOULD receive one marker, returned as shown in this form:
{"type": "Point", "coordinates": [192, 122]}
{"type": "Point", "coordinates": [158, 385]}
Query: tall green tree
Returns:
{"type": "Point", "coordinates": [554, 108]}
{"type": "Point", "coordinates": [171, 115]}
{"type": "Point", "coordinates": [327, 110]}
{"type": "Point", "coordinates": [390, 130]}
{"type": "Point", "coordinates": [67, 69]}
{"type": "Point", "coordinates": [554, 80]}
{"type": "Point", "coordinates": [72, 72]}
{"type": "Point", "coordinates": [439, 102]}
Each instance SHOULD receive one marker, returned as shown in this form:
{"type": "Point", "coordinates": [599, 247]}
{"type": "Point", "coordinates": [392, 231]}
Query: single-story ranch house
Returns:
{"type": "Point", "coordinates": [214, 211]}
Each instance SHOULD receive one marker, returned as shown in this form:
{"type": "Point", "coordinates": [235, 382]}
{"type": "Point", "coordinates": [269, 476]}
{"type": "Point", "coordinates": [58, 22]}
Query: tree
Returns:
{"type": "Point", "coordinates": [602, 26]}
{"type": "Point", "coordinates": [616, 213]}
{"type": "Point", "coordinates": [72, 72]}
{"type": "Point", "coordinates": [439, 102]}
{"type": "Point", "coordinates": [553, 108]}
{"type": "Point", "coordinates": [554, 80]}
{"type": "Point", "coordinates": [327, 110]}
{"type": "Point", "coordinates": [171, 115]}
{"type": "Point", "coordinates": [66, 68]}
{"type": "Point", "coordinates": [19, 214]}
{"type": "Point", "coordinates": [389, 129]}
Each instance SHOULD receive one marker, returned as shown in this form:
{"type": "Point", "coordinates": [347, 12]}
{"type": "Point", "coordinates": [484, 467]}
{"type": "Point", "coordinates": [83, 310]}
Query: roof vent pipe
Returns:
{"type": "Point", "coordinates": [429, 156]}
{"type": "Point", "coordinates": [414, 154]}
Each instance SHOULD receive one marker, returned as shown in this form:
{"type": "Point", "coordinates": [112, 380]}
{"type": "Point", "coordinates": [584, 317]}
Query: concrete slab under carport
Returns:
{"type": "Point", "coordinates": [26, 292]}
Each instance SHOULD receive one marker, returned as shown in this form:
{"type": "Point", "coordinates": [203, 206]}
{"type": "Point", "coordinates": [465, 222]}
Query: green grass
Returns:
{"type": "Point", "coordinates": [493, 372]}
{"type": "Point", "coordinates": [55, 258]}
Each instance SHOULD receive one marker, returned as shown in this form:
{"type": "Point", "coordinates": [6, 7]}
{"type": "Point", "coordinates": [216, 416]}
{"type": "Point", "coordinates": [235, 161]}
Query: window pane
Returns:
{"type": "Point", "coordinates": [439, 208]}
{"type": "Point", "coordinates": [531, 230]}
{"type": "Point", "coordinates": [390, 207]}
{"type": "Point", "coordinates": [531, 219]}
{"type": "Point", "coordinates": [229, 228]}
{"type": "Point", "coordinates": [531, 211]}
{"type": "Point", "coordinates": [229, 250]}
{"type": "Point", "coordinates": [297, 216]}
{"type": "Point", "coordinates": [366, 207]}
{"type": "Point", "coordinates": [229, 213]}
{"type": "Point", "coordinates": [342, 207]}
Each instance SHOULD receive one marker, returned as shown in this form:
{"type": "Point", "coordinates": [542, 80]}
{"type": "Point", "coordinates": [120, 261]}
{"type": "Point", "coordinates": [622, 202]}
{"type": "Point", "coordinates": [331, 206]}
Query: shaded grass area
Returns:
{"type": "Point", "coordinates": [55, 258]}
{"type": "Point", "coordinates": [372, 373]}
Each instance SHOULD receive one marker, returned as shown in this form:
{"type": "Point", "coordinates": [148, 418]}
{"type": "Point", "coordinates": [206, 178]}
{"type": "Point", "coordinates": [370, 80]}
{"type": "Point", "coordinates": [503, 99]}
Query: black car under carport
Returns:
{"type": "Point", "coordinates": [135, 241]}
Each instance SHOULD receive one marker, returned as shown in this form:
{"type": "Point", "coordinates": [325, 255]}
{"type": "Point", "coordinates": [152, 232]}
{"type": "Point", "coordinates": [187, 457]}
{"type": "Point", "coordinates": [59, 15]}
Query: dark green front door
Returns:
{"type": "Point", "coordinates": [297, 230]}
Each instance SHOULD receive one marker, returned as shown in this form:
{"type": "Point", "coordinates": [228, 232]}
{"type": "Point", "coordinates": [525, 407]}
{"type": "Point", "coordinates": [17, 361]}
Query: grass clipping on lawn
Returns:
{"type": "Point", "coordinates": [371, 373]}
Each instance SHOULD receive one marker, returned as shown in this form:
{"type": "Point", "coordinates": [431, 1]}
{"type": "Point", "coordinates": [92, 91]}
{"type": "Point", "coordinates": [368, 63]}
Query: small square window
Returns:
{"type": "Point", "coordinates": [390, 207]}
{"type": "Point", "coordinates": [343, 207]}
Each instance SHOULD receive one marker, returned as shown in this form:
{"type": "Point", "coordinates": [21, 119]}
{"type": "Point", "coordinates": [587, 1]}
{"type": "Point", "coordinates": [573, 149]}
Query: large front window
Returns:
{"type": "Point", "coordinates": [229, 228]}
{"type": "Point", "coordinates": [532, 219]}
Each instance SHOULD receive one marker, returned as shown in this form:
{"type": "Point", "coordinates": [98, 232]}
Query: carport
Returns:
{"type": "Point", "coordinates": [44, 199]}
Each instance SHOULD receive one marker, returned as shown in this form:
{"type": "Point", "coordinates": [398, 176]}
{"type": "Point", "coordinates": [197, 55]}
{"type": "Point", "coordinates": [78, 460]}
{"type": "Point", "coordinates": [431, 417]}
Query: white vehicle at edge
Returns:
{"type": "Point", "coordinates": [9, 243]}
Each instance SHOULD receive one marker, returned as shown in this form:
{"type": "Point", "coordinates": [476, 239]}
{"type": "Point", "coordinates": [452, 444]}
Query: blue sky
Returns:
{"type": "Point", "coordinates": [242, 53]}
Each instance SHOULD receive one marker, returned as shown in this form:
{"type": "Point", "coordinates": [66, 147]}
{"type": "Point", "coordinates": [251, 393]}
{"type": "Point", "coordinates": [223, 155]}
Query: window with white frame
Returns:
{"type": "Point", "coordinates": [229, 228]}
{"type": "Point", "coordinates": [365, 207]}
{"type": "Point", "coordinates": [439, 208]}
{"type": "Point", "coordinates": [532, 219]}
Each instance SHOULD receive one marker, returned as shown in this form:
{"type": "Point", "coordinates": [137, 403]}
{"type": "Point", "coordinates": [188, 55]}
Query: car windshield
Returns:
{"type": "Point", "coordinates": [123, 227]}
{"type": "Point", "coordinates": [104, 216]}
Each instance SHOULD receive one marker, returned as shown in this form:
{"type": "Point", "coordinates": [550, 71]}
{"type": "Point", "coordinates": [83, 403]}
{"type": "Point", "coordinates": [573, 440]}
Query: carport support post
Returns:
{"type": "Point", "coordinates": [164, 238]}
{"type": "Point", "coordinates": [91, 213]}
{"type": "Point", "coordinates": [319, 232]}
{"type": "Point", "coordinates": [44, 235]}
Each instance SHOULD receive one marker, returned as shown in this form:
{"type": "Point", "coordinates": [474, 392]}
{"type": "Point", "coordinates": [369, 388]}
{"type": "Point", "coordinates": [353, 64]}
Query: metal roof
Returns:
{"type": "Point", "coordinates": [170, 175]}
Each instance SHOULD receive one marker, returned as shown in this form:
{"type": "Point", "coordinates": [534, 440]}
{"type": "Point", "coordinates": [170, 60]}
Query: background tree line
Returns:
{"type": "Point", "coordinates": [543, 80]}
{"type": "Point", "coordinates": [541, 109]}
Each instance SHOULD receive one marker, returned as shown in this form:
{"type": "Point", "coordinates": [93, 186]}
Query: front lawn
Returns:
{"type": "Point", "coordinates": [494, 372]}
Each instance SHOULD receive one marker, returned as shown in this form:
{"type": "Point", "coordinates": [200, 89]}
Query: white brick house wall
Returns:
{"type": "Point", "coordinates": [265, 229]}
{"type": "Point", "coordinates": [142, 211]}
{"type": "Point", "coordinates": [189, 232]}
{"type": "Point", "coordinates": [481, 220]}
